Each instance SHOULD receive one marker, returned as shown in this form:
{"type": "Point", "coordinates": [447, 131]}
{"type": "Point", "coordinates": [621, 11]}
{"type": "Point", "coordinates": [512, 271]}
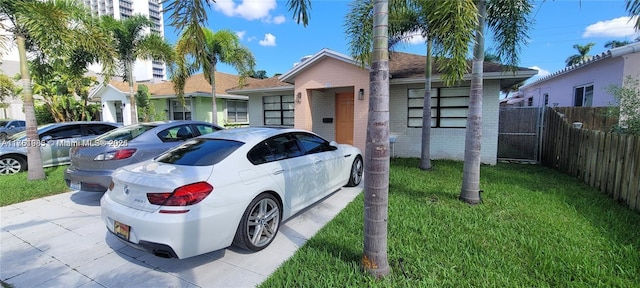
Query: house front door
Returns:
{"type": "Point", "coordinates": [344, 118]}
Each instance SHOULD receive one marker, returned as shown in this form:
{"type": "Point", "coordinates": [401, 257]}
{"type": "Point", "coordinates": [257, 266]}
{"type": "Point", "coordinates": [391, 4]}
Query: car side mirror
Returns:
{"type": "Point", "coordinates": [46, 138]}
{"type": "Point", "coordinates": [11, 127]}
{"type": "Point", "coordinates": [333, 145]}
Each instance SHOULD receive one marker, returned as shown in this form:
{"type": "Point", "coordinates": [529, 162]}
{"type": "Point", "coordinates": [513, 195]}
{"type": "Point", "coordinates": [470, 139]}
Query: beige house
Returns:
{"type": "Point", "coordinates": [328, 93]}
{"type": "Point", "coordinates": [232, 109]}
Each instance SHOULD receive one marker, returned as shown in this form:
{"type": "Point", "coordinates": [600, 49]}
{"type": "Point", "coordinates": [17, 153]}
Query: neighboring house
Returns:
{"type": "Point", "coordinates": [232, 109]}
{"type": "Point", "coordinates": [585, 84]}
{"type": "Point", "coordinates": [328, 93]}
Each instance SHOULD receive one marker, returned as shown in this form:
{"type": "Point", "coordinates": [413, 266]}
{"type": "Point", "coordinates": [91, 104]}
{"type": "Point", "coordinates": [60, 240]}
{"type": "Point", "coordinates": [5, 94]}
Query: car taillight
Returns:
{"type": "Point", "coordinates": [115, 155]}
{"type": "Point", "coordinates": [183, 196]}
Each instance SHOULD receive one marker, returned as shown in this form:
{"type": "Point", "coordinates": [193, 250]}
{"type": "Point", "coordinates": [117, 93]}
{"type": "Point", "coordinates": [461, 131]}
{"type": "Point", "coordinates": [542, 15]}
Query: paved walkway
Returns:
{"type": "Point", "coordinates": [60, 241]}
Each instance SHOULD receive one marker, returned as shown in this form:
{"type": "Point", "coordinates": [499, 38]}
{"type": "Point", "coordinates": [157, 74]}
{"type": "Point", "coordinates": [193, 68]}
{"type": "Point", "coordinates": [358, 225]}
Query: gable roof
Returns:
{"type": "Point", "coordinates": [403, 67]}
{"type": "Point", "coordinates": [611, 53]}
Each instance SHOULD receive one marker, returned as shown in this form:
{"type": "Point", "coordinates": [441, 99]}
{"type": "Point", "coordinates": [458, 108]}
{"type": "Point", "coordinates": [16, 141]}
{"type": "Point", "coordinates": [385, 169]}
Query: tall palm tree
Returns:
{"type": "Point", "coordinates": [509, 21]}
{"type": "Point", "coordinates": [42, 27]}
{"type": "Point", "coordinates": [132, 43]}
{"type": "Point", "coordinates": [219, 47]}
{"type": "Point", "coordinates": [449, 30]}
{"type": "Point", "coordinates": [633, 7]}
{"type": "Point", "coordinates": [582, 56]}
{"type": "Point", "coordinates": [376, 169]}
{"type": "Point", "coordinates": [189, 15]}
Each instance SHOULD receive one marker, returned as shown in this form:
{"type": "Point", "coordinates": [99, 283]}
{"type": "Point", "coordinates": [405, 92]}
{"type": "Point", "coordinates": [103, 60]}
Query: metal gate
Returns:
{"type": "Point", "coordinates": [520, 133]}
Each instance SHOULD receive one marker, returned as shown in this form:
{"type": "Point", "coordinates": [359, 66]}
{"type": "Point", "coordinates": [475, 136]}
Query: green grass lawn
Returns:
{"type": "Point", "coordinates": [15, 187]}
{"type": "Point", "coordinates": [536, 228]}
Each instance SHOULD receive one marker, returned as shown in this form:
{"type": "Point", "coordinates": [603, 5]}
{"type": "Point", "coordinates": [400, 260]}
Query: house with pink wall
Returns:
{"type": "Point", "coordinates": [328, 93]}
{"type": "Point", "coordinates": [585, 84]}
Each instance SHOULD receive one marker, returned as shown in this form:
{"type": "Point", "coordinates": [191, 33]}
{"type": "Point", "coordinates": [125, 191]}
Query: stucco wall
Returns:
{"type": "Point", "coordinates": [561, 88]}
{"type": "Point", "coordinates": [446, 143]}
{"type": "Point", "coordinates": [329, 73]}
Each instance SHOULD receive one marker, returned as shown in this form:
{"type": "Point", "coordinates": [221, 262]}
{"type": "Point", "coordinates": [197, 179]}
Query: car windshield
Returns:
{"type": "Point", "coordinates": [200, 152]}
{"type": "Point", "coordinates": [23, 135]}
{"type": "Point", "coordinates": [126, 133]}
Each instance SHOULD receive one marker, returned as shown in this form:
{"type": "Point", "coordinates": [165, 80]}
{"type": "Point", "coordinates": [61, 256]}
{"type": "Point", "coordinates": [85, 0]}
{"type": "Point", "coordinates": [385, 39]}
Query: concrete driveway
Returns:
{"type": "Point", "coordinates": [60, 241]}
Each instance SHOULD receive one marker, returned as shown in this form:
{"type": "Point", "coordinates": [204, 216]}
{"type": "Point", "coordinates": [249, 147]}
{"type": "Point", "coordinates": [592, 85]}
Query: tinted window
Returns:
{"type": "Point", "coordinates": [200, 152]}
{"type": "Point", "coordinates": [127, 133]}
{"type": "Point", "coordinates": [178, 133]}
{"type": "Point", "coordinates": [69, 131]}
{"type": "Point", "coordinates": [99, 129]}
{"type": "Point", "coordinates": [260, 154]}
{"type": "Point", "coordinates": [19, 123]}
{"type": "Point", "coordinates": [312, 143]}
{"type": "Point", "coordinates": [205, 129]}
{"type": "Point", "coordinates": [281, 147]}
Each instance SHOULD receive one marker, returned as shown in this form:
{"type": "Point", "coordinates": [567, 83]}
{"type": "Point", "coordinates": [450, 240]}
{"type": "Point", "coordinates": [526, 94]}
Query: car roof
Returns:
{"type": "Point", "coordinates": [250, 134]}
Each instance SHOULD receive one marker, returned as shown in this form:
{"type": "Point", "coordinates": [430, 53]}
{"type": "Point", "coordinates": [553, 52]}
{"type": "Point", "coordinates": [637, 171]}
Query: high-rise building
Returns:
{"type": "Point", "coordinates": [121, 9]}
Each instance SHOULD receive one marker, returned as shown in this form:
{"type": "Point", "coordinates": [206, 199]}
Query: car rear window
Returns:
{"type": "Point", "coordinates": [126, 133]}
{"type": "Point", "coordinates": [200, 152]}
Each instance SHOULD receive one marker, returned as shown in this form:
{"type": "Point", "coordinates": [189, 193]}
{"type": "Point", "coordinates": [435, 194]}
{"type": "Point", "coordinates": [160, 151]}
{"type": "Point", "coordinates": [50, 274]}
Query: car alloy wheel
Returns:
{"type": "Point", "coordinates": [356, 172]}
{"type": "Point", "coordinates": [10, 165]}
{"type": "Point", "coordinates": [3, 136]}
{"type": "Point", "coordinates": [259, 224]}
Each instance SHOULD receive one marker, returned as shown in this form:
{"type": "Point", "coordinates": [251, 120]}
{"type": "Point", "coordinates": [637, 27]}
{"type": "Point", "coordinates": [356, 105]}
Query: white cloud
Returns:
{"type": "Point", "coordinates": [279, 19]}
{"type": "Point", "coordinates": [241, 34]}
{"type": "Point", "coordinates": [541, 72]}
{"type": "Point", "coordinates": [618, 27]}
{"type": "Point", "coordinates": [247, 9]}
{"type": "Point", "coordinates": [269, 40]}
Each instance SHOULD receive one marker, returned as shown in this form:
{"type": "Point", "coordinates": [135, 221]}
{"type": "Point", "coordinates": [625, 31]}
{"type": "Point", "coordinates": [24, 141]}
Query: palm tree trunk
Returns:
{"type": "Point", "coordinates": [214, 100]}
{"type": "Point", "coordinates": [470, 192]}
{"type": "Point", "coordinates": [425, 155]}
{"type": "Point", "coordinates": [376, 180]}
{"type": "Point", "coordinates": [34, 156]}
{"type": "Point", "coordinates": [132, 95]}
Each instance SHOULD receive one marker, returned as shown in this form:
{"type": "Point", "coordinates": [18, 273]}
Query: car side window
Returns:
{"type": "Point", "coordinates": [283, 147]}
{"type": "Point", "coordinates": [177, 133]}
{"type": "Point", "coordinates": [205, 129]}
{"type": "Point", "coordinates": [21, 124]}
{"type": "Point", "coordinates": [65, 132]}
{"type": "Point", "coordinates": [98, 129]}
{"type": "Point", "coordinates": [312, 143]}
{"type": "Point", "coordinates": [260, 154]}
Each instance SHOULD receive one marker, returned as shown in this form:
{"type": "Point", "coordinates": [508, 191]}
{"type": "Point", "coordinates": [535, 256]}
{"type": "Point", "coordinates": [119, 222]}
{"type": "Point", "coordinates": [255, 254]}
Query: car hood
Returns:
{"type": "Point", "coordinates": [132, 183]}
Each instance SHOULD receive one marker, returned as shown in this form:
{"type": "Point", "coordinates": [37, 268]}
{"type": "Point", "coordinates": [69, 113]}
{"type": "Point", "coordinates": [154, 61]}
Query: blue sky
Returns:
{"type": "Point", "coordinates": [266, 27]}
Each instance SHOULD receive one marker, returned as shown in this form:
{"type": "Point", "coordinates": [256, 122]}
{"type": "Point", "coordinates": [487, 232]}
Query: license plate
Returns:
{"type": "Point", "coordinates": [121, 230]}
{"type": "Point", "coordinates": [74, 185]}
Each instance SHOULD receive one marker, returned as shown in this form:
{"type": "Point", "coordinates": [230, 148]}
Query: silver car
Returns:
{"type": "Point", "coordinates": [55, 141]}
{"type": "Point", "coordinates": [10, 127]}
{"type": "Point", "coordinates": [92, 164]}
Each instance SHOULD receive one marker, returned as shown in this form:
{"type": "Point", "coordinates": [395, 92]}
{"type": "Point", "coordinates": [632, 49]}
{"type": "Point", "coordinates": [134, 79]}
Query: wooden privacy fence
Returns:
{"type": "Point", "coordinates": [605, 160]}
{"type": "Point", "coordinates": [592, 118]}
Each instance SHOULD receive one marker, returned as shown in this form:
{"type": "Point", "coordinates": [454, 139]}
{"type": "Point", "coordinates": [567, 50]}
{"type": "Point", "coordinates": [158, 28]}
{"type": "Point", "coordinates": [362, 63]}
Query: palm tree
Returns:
{"type": "Point", "coordinates": [615, 43]}
{"type": "Point", "coordinates": [509, 21]}
{"type": "Point", "coordinates": [41, 27]}
{"type": "Point", "coordinates": [219, 47]}
{"type": "Point", "coordinates": [633, 7]}
{"type": "Point", "coordinates": [190, 15]}
{"type": "Point", "coordinates": [418, 16]}
{"type": "Point", "coordinates": [131, 43]}
{"type": "Point", "coordinates": [582, 56]}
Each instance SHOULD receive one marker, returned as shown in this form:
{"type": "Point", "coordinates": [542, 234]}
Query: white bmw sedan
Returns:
{"type": "Point", "coordinates": [231, 187]}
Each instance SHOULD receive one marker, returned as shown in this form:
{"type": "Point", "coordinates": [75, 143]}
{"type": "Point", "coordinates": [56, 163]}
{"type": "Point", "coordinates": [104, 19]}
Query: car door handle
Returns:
{"type": "Point", "coordinates": [276, 172]}
{"type": "Point", "coordinates": [317, 162]}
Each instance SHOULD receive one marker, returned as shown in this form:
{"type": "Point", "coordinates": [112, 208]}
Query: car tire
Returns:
{"type": "Point", "coordinates": [259, 224]}
{"type": "Point", "coordinates": [12, 164]}
{"type": "Point", "coordinates": [3, 136]}
{"type": "Point", "coordinates": [355, 174]}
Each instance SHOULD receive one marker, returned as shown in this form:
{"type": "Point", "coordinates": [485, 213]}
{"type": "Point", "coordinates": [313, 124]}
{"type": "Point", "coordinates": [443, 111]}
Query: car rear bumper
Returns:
{"type": "Point", "coordinates": [91, 181]}
{"type": "Point", "coordinates": [199, 231]}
